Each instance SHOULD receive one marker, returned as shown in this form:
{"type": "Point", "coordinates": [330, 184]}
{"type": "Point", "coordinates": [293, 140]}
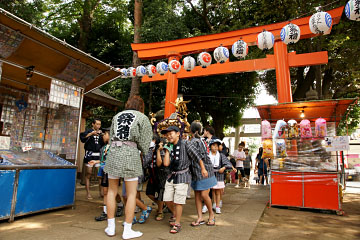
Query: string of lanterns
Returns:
{"type": "Point", "coordinates": [319, 23]}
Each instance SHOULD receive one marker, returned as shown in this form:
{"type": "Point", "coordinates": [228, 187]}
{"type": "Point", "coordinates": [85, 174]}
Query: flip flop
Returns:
{"type": "Point", "coordinates": [196, 224]}
{"type": "Point", "coordinates": [211, 222]}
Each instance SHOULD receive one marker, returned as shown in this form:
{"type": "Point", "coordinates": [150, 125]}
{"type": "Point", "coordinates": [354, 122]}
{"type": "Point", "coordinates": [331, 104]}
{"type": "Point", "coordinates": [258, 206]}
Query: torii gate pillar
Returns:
{"type": "Point", "coordinates": [171, 88]}
{"type": "Point", "coordinates": [283, 81]}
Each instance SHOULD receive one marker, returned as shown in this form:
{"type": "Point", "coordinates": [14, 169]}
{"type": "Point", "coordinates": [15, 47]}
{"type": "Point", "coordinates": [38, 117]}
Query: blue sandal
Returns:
{"type": "Point", "coordinates": [145, 215]}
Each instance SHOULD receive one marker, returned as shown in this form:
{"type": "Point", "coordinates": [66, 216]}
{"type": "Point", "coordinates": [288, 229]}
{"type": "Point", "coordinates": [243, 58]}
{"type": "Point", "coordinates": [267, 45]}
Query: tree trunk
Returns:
{"type": "Point", "coordinates": [85, 22]}
{"type": "Point", "coordinates": [218, 124]}
{"type": "Point", "coordinates": [328, 78]}
{"type": "Point", "coordinates": [303, 84]}
{"type": "Point", "coordinates": [135, 84]}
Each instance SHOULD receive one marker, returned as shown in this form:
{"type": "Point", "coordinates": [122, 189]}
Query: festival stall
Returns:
{"type": "Point", "coordinates": [42, 85]}
{"type": "Point", "coordinates": [300, 141]}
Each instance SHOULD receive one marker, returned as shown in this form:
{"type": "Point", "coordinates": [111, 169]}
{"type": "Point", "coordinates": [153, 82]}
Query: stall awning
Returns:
{"type": "Point", "coordinates": [98, 97]}
{"type": "Point", "coordinates": [331, 110]}
{"type": "Point", "coordinates": [23, 45]}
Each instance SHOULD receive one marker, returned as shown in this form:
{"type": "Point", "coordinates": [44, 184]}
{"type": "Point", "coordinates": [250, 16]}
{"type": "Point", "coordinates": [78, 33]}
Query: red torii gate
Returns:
{"type": "Point", "coordinates": [281, 61]}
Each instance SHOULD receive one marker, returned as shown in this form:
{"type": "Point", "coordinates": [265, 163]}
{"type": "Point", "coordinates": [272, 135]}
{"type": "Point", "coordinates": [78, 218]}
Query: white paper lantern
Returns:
{"type": "Point", "coordinates": [221, 54]}
{"type": "Point", "coordinates": [140, 71]}
{"type": "Point", "coordinates": [131, 72]}
{"type": "Point", "coordinates": [124, 73]}
{"type": "Point", "coordinates": [320, 23]}
{"type": "Point", "coordinates": [204, 59]}
{"type": "Point", "coordinates": [150, 70]}
{"type": "Point", "coordinates": [162, 68]}
{"type": "Point", "coordinates": [189, 63]}
{"type": "Point", "coordinates": [352, 10]}
{"type": "Point", "coordinates": [290, 34]}
{"type": "Point", "coordinates": [174, 66]}
{"type": "Point", "coordinates": [240, 49]}
{"type": "Point", "coordinates": [265, 40]}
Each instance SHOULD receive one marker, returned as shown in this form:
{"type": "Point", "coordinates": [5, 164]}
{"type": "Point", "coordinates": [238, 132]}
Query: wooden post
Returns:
{"type": "Point", "coordinates": [282, 72]}
{"type": "Point", "coordinates": [171, 88]}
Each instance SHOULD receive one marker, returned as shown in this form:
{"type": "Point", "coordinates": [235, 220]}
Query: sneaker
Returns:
{"type": "Point", "coordinates": [237, 186]}
{"type": "Point", "coordinates": [137, 209]}
{"type": "Point", "coordinates": [220, 203]}
{"type": "Point", "coordinates": [102, 217]}
{"type": "Point", "coordinates": [119, 211]}
{"type": "Point", "coordinates": [204, 209]}
{"type": "Point", "coordinates": [218, 211]}
{"type": "Point", "coordinates": [214, 206]}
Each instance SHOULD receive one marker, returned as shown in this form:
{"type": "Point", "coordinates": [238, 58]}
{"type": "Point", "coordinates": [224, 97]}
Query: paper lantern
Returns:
{"type": "Point", "coordinates": [162, 68]}
{"type": "Point", "coordinates": [320, 23]}
{"type": "Point", "coordinates": [320, 127]}
{"type": "Point", "coordinates": [265, 40]}
{"type": "Point", "coordinates": [174, 66]}
{"type": "Point", "coordinates": [124, 73]}
{"type": "Point", "coordinates": [290, 34]}
{"type": "Point", "coordinates": [204, 59]}
{"type": "Point", "coordinates": [265, 129]}
{"type": "Point", "coordinates": [352, 10]}
{"type": "Point", "coordinates": [305, 129]}
{"type": "Point", "coordinates": [280, 127]}
{"type": "Point", "coordinates": [150, 70]}
{"type": "Point", "coordinates": [140, 71]}
{"type": "Point", "coordinates": [189, 63]}
{"type": "Point", "coordinates": [293, 129]}
{"type": "Point", "coordinates": [267, 149]}
{"type": "Point", "coordinates": [221, 54]}
{"type": "Point", "coordinates": [131, 72]}
{"type": "Point", "coordinates": [240, 49]}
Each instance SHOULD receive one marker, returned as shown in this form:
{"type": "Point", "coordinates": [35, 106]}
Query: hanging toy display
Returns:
{"type": "Point", "coordinates": [267, 149]}
{"type": "Point", "coordinates": [131, 72]}
{"type": "Point", "coordinates": [221, 54]}
{"type": "Point", "coordinates": [140, 71]}
{"type": "Point", "coordinates": [290, 34]}
{"type": "Point", "coordinates": [240, 49]}
{"type": "Point", "coordinates": [320, 23]}
{"type": "Point", "coordinates": [305, 129]}
{"type": "Point", "coordinates": [280, 128]}
{"type": "Point", "coordinates": [265, 40]}
{"type": "Point", "coordinates": [162, 68]}
{"type": "Point", "coordinates": [265, 129]}
{"type": "Point", "coordinates": [150, 70]}
{"type": "Point", "coordinates": [124, 73]}
{"type": "Point", "coordinates": [352, 10]}
{"type": "Point", "coordinates": [204, 59]}
{"type": "Point", "coordinates": [280, 147]}
{"type": "Point", "coordinates": [174, 66]}
{"type": "Point", "coordinates": [320, 128]}
{"type": "Point", "coordinates": [189, 63]}
{"type": "Point", "coordinates": [293, 129]}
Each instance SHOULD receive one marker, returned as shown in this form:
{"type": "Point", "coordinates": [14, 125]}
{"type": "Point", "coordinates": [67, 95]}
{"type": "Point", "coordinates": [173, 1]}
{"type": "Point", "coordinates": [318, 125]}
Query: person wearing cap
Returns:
{"type": "Point", "coordinates": [130, 133]}
{"type": "Point", "coordinates": [219, 162]}
{"type": "Point", "coordinates": [203, 178]}
{"type": "Point", "coordinates": [178, 156]}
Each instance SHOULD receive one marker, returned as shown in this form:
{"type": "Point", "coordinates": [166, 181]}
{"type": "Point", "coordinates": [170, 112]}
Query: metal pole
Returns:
{"type": "Point", "coordinates": [77, 143]}
{"type": "Point", "coordinates": [14, 197]}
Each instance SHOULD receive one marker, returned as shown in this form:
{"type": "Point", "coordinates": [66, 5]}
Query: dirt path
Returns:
{"type": "Point", "coordinates": [287, 224]}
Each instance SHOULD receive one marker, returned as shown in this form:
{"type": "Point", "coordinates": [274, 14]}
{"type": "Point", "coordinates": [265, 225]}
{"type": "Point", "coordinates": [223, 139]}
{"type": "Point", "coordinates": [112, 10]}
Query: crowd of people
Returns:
{"type": "Point", "coordinates": [171, 166]}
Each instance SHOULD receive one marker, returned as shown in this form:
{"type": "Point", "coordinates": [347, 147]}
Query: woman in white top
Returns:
{"type": "Point", "coordinates": [239, 156]}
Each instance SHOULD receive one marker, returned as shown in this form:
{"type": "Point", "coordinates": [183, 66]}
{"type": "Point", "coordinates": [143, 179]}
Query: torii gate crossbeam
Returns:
{"type": "Point", "coordinates": [281, 61]}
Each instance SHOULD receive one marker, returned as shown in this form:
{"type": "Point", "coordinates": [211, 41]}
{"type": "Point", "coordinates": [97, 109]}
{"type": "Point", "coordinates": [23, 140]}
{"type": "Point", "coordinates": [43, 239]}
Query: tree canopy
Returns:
{"type": "Point", "coordinates": [105, 29]}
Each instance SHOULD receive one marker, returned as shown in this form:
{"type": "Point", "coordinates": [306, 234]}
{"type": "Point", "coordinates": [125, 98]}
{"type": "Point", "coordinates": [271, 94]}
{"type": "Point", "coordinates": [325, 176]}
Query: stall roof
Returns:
{"type": "Point", "coordinates": [331, 110]}
{"type": "Point", "coordinates": [23, 45]}
{"type": "Point", "coordinates": [99, 97]}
